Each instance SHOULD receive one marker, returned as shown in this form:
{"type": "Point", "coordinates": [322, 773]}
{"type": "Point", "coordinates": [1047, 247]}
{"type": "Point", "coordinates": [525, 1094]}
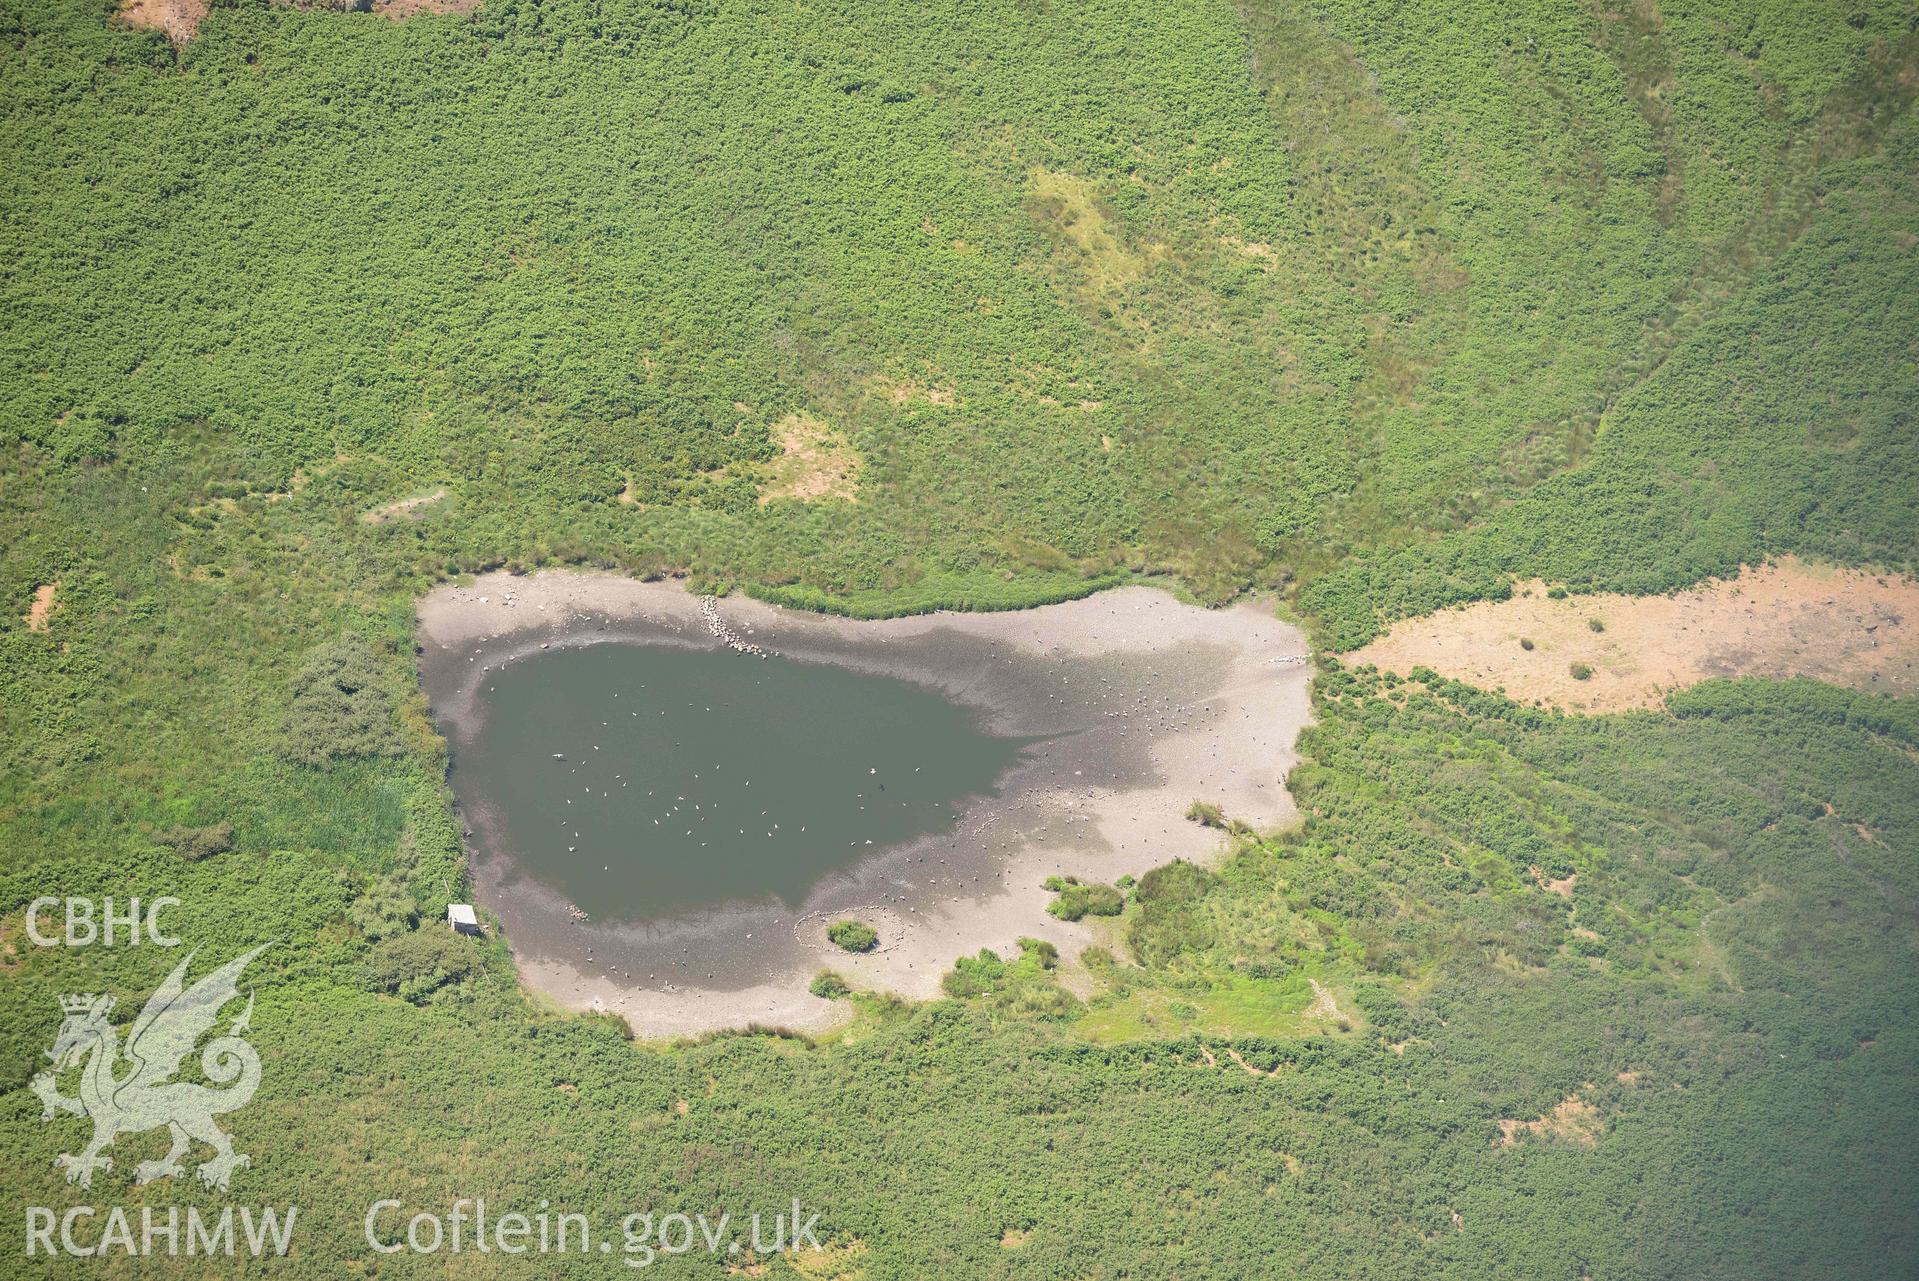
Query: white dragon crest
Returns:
{"type": "Point", "coordinates": [143, 1096]}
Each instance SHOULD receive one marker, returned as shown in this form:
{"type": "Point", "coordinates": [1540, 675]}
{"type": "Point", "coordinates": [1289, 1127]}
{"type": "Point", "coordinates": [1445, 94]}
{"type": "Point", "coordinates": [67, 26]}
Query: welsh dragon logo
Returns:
{"type": "Point", "coordinates": [143, 1095]}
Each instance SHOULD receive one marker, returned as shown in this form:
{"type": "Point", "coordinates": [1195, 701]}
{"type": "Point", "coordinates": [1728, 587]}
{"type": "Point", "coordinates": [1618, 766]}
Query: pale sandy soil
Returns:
{"type": "Point", "coordinates": [178, 18]}
{"type": "Point", "coordinates": [181, 19]}
{"type": "Point", "coordinates": [40, 613]}
{"type": "Point", "coordinates": [1787, 619]}
{"type": "Point", "coordinates": [1138, 705]}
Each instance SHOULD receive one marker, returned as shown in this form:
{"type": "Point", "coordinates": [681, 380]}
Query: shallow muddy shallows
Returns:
{"type": "Point", "coordinates": [666, 821]}
{"type": "Point", "coordinates": [651, 781]}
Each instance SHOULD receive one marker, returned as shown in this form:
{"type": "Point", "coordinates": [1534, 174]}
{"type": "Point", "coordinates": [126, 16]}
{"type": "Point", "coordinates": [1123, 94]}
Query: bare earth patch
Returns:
{"type": "Point", "coordinates": [1323, 1006]}
{"type": "Point", "coordinates": [1563, 886]}
{"type": "Point", "coordinates": [816, 462]}
{"type": "Point", "coordinates": [178, 18]}
{"type": "Point", "coordinates": [406, 507]}
{"type": "Point", "coordinates": [1249, 1069]}
{"type": "Point", "coordinates": [1264, 254]}
{"type": "Point", "coordinates": [1787, 619]}
{"type": "Point", "coordinates": [1572, 1120]}
{"type": "Point", "coordinates": [181, 19]}
{"type": "Point", "coordinates": [41, 610]}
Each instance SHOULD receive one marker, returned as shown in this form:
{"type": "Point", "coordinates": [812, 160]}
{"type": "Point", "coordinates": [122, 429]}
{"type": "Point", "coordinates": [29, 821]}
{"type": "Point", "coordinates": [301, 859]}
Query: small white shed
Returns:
{"type": "Point", "coordinates": [460, 917]}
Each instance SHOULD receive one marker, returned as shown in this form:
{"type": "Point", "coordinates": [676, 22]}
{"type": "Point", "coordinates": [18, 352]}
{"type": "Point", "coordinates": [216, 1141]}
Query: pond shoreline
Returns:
{"type": "Point", "coordinates": [1140, 705]}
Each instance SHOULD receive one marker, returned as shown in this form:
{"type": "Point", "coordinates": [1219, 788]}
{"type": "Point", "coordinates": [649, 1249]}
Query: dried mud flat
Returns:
{"type": "Point", "coordinates": [1786, 619]}
{"type": "Point", "coordinates": [1135, 705]}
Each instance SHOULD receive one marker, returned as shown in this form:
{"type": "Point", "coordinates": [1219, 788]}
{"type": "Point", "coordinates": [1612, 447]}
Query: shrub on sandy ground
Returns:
{"type": "Point", "coordinates": [853, 936]}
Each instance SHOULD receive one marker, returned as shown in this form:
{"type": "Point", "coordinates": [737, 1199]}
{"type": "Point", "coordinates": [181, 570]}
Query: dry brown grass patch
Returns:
{"type": "Point", "coordinates": [1259, 251]}
{"type": "Point", "coordinates": [903, 391]}
{"type": "Point", "coordinates": [816, 462]}
{"type": "Point", "coordinates": [409, 508]}
{"type": "Point", "coordinates": [1068, 204]}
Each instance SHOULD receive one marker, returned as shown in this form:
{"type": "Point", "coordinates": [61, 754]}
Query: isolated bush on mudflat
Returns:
{"type": "Point", "coordinates": [853, 936]}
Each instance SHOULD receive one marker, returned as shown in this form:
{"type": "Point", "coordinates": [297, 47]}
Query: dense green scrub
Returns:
{"type": "Point", "coordinates": [1782, 423]}
{"type": "Point", "coordinates": [1397, 305]}
{"type": "Point", "coordinates": [1187, 289]}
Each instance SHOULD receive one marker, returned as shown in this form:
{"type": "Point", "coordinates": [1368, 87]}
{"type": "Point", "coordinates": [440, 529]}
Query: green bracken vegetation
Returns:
{"type": "Point", "coordinates": [1378, 307]}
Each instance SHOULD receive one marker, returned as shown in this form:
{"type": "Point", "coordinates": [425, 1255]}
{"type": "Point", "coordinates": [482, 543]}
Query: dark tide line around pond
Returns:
{"type": "Point", "coordinates": [1068, 738]}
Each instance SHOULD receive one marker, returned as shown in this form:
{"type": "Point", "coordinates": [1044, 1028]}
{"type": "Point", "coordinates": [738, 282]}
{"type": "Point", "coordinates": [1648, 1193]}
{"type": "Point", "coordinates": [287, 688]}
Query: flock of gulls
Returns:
{"type": "Point", "coordinates": [710, 612]}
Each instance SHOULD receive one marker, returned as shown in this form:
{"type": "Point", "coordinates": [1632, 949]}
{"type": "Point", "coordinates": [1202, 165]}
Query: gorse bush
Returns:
{"type": "Point", "coordinates": [1387, 314]}
{"type": "Point", "coordinates": [853, 936]}
{"type": "Point", "coordinates": [829, 986]}
{"type": "Point", "coordinates": [1075, 900]}
{"type": "Point", "coordinates": [974, 975]}
{"type": "Point", "coordinates": [1170, 919]}
{"type": "Point", "coordinates": [416, 964]}
{"type": "Point", "coordinates": [384, 908]}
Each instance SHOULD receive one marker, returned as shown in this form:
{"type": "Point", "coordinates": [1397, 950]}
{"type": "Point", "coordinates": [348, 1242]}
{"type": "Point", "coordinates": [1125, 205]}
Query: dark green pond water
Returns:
{"type": "Point", "coordinates": [642, 782]}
